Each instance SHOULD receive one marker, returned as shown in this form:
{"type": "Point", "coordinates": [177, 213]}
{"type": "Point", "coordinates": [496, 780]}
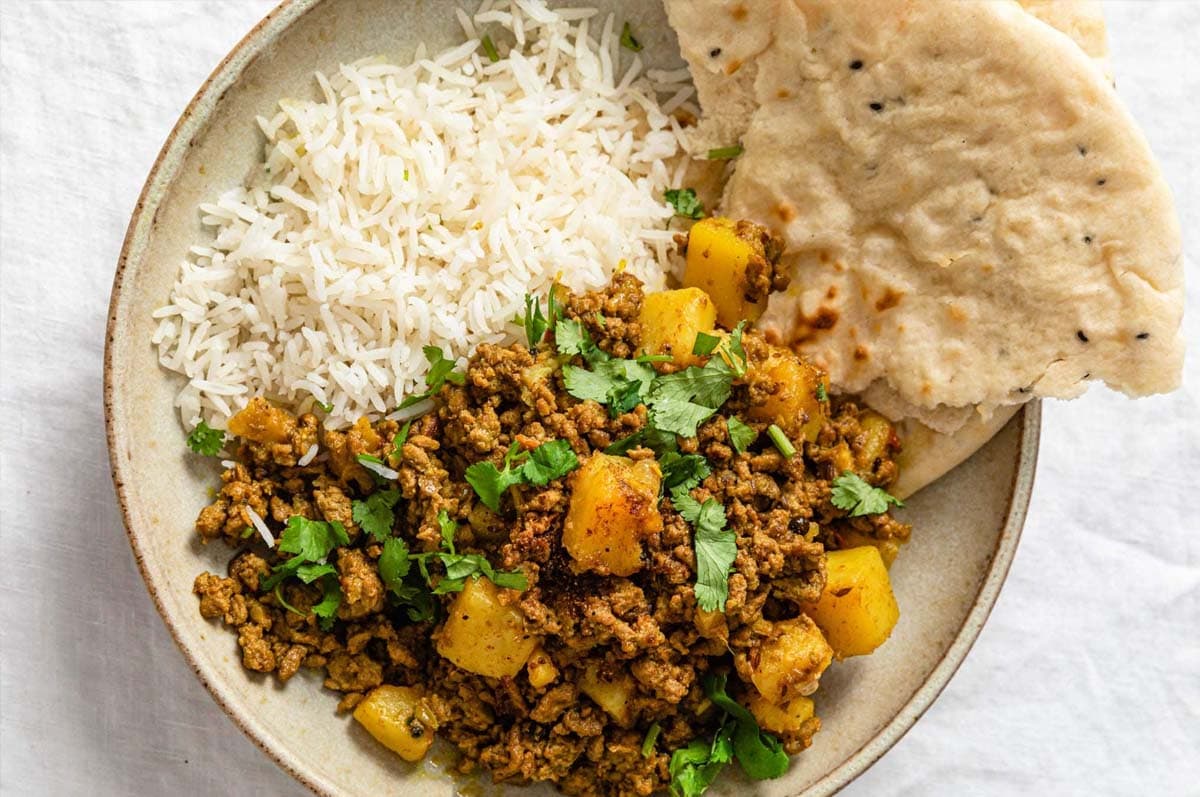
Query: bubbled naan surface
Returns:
{"type": "Point", "coordinates": [973, 217]}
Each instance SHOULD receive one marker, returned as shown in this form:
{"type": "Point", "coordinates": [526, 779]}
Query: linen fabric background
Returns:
{"type": "Point", "coordinates": [1085, 681]}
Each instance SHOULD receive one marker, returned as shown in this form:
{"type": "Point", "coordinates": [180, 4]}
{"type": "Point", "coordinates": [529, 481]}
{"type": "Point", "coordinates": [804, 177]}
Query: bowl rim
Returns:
{"type": "Point", "coordinates": [192, 122]}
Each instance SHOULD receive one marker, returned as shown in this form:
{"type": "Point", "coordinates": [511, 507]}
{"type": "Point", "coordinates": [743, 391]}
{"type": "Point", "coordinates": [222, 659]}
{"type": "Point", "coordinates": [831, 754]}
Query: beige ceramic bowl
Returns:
{"type": "Point", "coordinates": [966, 525]}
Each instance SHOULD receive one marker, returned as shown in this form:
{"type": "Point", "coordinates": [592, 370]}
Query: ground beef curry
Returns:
{"type": "Point", "coordinates": [614, 559]}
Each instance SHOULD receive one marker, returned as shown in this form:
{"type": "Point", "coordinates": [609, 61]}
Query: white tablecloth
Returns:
{"type": "Point", "coordinates": [1085, 681]}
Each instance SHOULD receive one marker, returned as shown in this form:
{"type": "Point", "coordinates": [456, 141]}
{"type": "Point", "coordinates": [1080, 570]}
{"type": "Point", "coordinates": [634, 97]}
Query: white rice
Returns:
{"type": "Point", "coordinates": [418, 204]}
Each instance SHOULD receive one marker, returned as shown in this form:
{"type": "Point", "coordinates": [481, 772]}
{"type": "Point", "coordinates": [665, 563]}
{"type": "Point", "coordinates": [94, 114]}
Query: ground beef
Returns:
{"type": "Point", "coordinates": [645, 628]}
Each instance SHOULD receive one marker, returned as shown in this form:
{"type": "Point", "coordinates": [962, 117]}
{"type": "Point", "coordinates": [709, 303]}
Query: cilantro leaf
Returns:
{"type": "Point", "coordinates": [705, 343]}
{"type": "Point", "coordinates": [400, 439]}
{"type": "Point", "coordinates": [375, 515]}
{"type": "Point", "coordinates": [534, 321]}
{"type": "Point", "coordinates": [741, 436]}
{"type": "Point", "coordinates": [684, 471]}
{"type": "Point", "coordinates": [781, 441]}
{"type": "Point", "coordinates": [394, 563]}
{"type": "Point", "coordinates": [822, 394]}
{"type": "Point", "coordinates": [715, 546]}
{"type": "Point", "coordinates": [679, 417]}
{"type": "Point", "coordinates": [708, 386]}
{"type": "Point", "coordinates": [647, 437]}
{"type": "Point", "coordinates": [460, 567]}
{"type": "Point", "coordinates": [312, 540]}
{"type": "Point", "coordinates": [548, 462]}
{"type": "Point", "coordinates": [856, 496]}
{"type": "Point", "coordinates": [760, 754]}
{"type": "Point", "coordinates": [441, 370]}
{"type": "Point", "coordinates": [490, 482]}
{"type": "Point", "coordinates": [732, 352]}
{"type": "Point", "coordinates": [619, 384]}
{"type": "Point", "coordinates": [326, 610]}
{"type": "Point", "coordinates": [684, 202]}
{"type": "Point", "coordinates": [447, 528]}
{"type": "Point", "coordinates": [571, 337]}
{"type": "Point", "coordinates": [205, 440]}
{"type": "Point", "coordinates": [308, 573]}
{"type": "Point", "coordinates": [695, 767]}
{"type": "Point", "coordinates": [628, 41]}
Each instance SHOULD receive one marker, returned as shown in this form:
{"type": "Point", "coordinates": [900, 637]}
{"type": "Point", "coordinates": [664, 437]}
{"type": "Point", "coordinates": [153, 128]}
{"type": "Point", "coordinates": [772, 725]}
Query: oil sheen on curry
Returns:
{"type": "Point", "coordinates": [617, 556]}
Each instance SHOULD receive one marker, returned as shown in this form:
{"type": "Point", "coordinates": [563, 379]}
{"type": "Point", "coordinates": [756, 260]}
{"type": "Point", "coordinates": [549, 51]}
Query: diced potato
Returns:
{"type": "Point", "coordinates": [719, 262]}
{"type": "Point", "coordinates": [878, 436]}
{"type": "Point", "coordinates": [400, 718]}
{"type": "Point", "coordinates": [670, 321]}
{"type": "Point", "coordinates": [786, 718]}
{"type": "Point", "coordinates": [540, 669]}
{"type": "Point", "coordinates": [888, 549]}
{"type": "Point", "coordinates": [483, 635]}
{"type": "Point", "coordinates": [711, 625]}
{"type": "Point", "coordinates": [843, 460]}
{"type": "Point", "coordinates": [263, 423]}
{"type": "Point", "coordinates": [791, 387]}
{"type": "Point", "coordinates": [362, 437]}
{"type": "Point", "coordinates": [857, 610]}
{"type": "Point", "coordinates": [790, 663]}
{"type": "Point", "coordinates": [610, 693]}
{"type": "Point", "coordinates": [614, 506]}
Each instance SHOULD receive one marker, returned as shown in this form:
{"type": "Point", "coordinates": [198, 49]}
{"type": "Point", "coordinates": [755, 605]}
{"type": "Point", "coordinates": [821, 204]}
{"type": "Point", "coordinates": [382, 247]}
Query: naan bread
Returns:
{"type": "Point", "coordinates": [974, 220]}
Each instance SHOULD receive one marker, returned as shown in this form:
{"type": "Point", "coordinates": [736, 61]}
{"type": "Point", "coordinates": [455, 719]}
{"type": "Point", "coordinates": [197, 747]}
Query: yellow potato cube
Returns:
{"type": "Point", "coordinates": [723, 263]}
{"type": "Point", "coordinates": [670, 321]}
{"type": "Point", "coordinates": [400, 718]}
{"type": "Point", "coordinates": [888, 549]}
{"type": "Point", "coordinates": [483, 635]}
{"type": "Point", "coordinates": [610, 693]}
{"type": "Point", "coordinates": [857, 610]}
{"type": "Point", "coordinates": [540, 669]}
{"type": "Point", "coordinates": [262, 422]}
{"type": "Point", "coordinates": [790, 663]}
{"type": "Point", "coordinates": [614, 506]}
{"type": "Point", "coordinates": [788, 386]}
{"type": "Point", "coordinates": [786, 718]}
{"type": "Point", "coordinates": [877, 438]}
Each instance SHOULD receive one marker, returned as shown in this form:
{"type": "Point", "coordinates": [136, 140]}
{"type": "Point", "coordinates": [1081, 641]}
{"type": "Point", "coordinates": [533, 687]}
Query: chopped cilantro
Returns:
{"type": "Point", "coordinates": [375, 515]}
{"type": "Point", "coordinates": [856, 496]}
{"type": "Point", "coordinates": [489, 48]}
{"type": "Point", "coordinates": [781, 441]}
{"type": "Point", "coordinates": [326, 610]}
{"type": "Point", "coordinates": [206, 440]}
{"type": "Point", "coordinates": [460, 567]}
{"type": "Point", "coordinates": [725, 153]}
{"type": "Point", "coordinates": [619, 384]}
{"type": "Point", "coordinates": [535, 322]}
{"type": "Point", "coordinates": [628, 41]}
{"type": "Point", "coordinates": [695, 767]}
{"type": "Point", "coordinates": [395, 564]}
{"type": "Point", "coordinates": [715, 545]}
{"type": "Point", "coordinates": [679, 417]}
{"type": "Point", "coordinates": [658, 441]}
{"type": "Point", "coordinates": [760, 754]}
{"type": "Point", "coordinates": [540, 466]}
{"type": "Point", "coordinates": [441, 370]}
{"type": "Point", "coordinates": [400, 439]}
{"type": "Point", "coordinates": [822, 395]}
{"type": "Point", "coordinates": [708, 386]}
{"type": "Point", "coordinates": [651, 739]}
{"type": "Point", "coordinates": [247, 532]}
{"type": "Point", "coordinates": [308, 573]}
{"type": "Point", "coordinates": [705, 343]}
{"type": "Point", "coordinates": [741, 436]}
{"type": "Point", "coordinates": [601, 320]}
{"type": "Point", "coordinates": [684, 202]}
{"type": "Point", "coordinates": [683, 471]}
{"type": "Point", "coordinates": [312, 540]}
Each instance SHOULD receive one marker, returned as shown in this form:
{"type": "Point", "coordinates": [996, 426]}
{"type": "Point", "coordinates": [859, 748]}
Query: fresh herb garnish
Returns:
{"type": "Point", "coordinates": [540, 466]}
{"type": "Point", "coordinates": [822, 395]}
{"type": "Point", "coordinates": [571, 338]}
{"type": "Point", "coordinates": [628, 41]}
{"type": "Point", "coordinates": [651, 739]}
{"type": "Point", "coordinates": [441, 370]}
{"type": "Point", "coordinates": [375, 515]}
{"type": "Point", "coordinates": [695, 767]}
{"type": "Point", "coordinates": [400, 439]}
{"type": "Point", "coordinates": [535, 322]}
{"type": "Point", "coordinates": [781, 441]}
{"type": "Point", "coordinates": [715, 545]}
{"type": "Point", "coordinates": [310, 542]}
{"type": "Point", "coordinates": [682, 471]}
{"type": "Point", "coordinates": [684, 202]}
{"type": "Point", "coordinates": [461, 566]}
{"type": "Point", "coordinates": [760, 754]}
{"type": "Point", "coordinates": [658, 441]}
{"type": "Point", "coordinates": [725, 153]}
{"type": "Point", "coordinates": [680, 417]}
{"type": "Point", "coordinates": [619, 384]}
{"type": "Point", "coordinates": [205, 440]}
{"type": "Point", "coordinates": [856, 496]}
{"type": "Point", "coordinates": [740, 435]}
{"type": "Point", "coordinates": [395, 564]}
{"type": "Point", "coordinates": [705, 343]}
{"type": "Point", "coordinates": [489, 48]}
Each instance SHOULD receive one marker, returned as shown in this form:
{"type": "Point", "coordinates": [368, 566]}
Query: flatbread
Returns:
{"type": "Point", "coordinates": [973, 218]}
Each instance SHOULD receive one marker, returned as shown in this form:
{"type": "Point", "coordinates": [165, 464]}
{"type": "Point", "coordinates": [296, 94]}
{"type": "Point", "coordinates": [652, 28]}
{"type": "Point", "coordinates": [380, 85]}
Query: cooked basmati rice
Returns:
{"type": "Point", "coordinates": [417, 205]}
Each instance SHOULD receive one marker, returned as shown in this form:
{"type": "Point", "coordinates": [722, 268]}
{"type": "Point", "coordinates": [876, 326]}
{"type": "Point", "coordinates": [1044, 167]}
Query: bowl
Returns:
{"type": "Point", "coordinates": [966, 526]}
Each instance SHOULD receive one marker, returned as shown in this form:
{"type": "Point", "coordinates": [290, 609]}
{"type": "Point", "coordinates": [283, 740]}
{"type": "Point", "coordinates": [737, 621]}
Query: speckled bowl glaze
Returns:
{"type": "Point", "coordinates": [966, 526]}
